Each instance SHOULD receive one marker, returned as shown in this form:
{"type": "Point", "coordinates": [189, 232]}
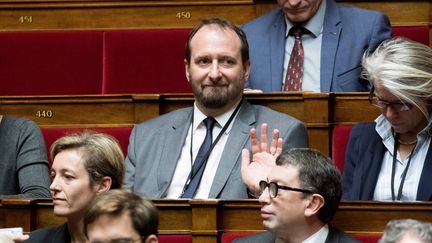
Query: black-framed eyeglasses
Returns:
{"type": "Point", "coordinates": [383, 104]}
{"type": "Point", "coordinates": [274, 187]}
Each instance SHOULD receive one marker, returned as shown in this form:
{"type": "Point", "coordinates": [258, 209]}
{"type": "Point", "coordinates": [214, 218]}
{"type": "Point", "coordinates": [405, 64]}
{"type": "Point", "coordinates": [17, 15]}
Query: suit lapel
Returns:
{"type": "Point", "coordinates": [373, 160]}
{"type": "Point", "coordinates": [277, 51]}
{"type": "Point", "coordinates": [238, 136]}
{"type": "Point", "coordinates": [329, 45]}
{"type": "Point", "coordinates": [424, 191]}
{"type": "Point", "coordinates": [176, 133]}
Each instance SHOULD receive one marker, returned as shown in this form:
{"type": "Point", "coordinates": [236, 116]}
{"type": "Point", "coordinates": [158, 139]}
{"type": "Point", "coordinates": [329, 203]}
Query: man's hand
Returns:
{"type": "Point", "coordinates": [263, 158]}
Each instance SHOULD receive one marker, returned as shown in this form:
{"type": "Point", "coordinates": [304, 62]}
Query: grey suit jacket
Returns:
{"type": "Point", "coordinates": [347, 33]}
{"type": "Point", "coordinates": [334, 236]}
{"type": "Point", "coordinates": [155, 147]}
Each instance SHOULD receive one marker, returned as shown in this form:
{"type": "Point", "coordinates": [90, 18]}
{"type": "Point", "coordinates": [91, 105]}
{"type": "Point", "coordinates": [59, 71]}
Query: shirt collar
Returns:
{"type": "Point", "coordinates": [319, 236]}
{"type": "Point", "coordinates": [315, 24]}
{"type": "Point", "coordinates": [384, 129]}
{"type": "Point", "coordinates": [221, 119]}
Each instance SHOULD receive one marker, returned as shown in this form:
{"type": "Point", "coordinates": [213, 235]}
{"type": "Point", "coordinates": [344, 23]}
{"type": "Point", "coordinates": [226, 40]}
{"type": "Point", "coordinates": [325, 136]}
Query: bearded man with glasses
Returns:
{"type": "Point", "coordinates": [299, 199]}
{"type": "Point", "coordinates": [390, 159]}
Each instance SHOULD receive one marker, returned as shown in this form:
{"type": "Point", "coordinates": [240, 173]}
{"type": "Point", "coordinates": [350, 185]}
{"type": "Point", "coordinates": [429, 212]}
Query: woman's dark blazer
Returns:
{"type": "Point", "coordinates": [59, 234]}
{"type": "Point", "coordinates": [363, 160]}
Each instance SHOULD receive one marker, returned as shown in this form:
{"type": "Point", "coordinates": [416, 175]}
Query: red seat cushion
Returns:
{"type": "Point", "coordinates": [230, 237]}
{"type": "Point", "coordinates": [368, 238]}
{"type": "Point", "coordinates": [50, 63]}
{"type": "Point", "coordinates": [145, 61]}
{"type": "Point", "coordinates": [339, 143]}
{"type": "Point", "coordinates": [416, 33]}
{"type": "Point", "coordinates": [120, 133]}
{"type": "Point", "coordinates": [175, 238]}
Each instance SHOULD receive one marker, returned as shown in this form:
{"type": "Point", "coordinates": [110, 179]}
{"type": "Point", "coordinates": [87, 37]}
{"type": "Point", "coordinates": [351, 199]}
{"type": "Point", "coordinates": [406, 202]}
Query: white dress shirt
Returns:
{"type": "Point", "coordinates": [319, 237]}
{"type": "Point", "coordinates": [383, 187]}
{"type": "Point", "coordinates": [184, 165]}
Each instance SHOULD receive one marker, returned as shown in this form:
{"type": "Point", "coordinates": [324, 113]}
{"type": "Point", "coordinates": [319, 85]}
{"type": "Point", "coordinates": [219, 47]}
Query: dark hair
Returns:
{"type": "Point", "coordinates": [144, 215]}
{"type": "Point", "coordinates": [223, 24]}
{"type": "Point", "coordinates": [318, 174]}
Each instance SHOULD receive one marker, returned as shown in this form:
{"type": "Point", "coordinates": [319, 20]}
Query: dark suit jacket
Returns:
{"type": "Point", "coordinates": [363, 160]}
{"type": "Point", "coordinates": [155, 147]}
{"type": "Point", "coordinates": [59, 234]}
{"type": "Point", "coordinates": [334, 236]}
{"type": "Point", "coordinates": [347, 33]}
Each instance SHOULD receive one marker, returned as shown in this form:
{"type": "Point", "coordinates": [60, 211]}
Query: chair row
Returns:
{"type": "Point", "coordinates": [222, 221]}
{"type": "Point", "coordinates": [92, 62]}
{"type": "Point", "coordinates": [325, 115]}
{"type": "Point", "coordinates": [104, 62]}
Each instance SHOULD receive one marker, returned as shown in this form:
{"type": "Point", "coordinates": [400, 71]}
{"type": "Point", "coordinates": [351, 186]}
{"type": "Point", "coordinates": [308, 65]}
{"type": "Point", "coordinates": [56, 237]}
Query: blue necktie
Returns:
{"type": "Point", "coordinates": [200, 160]}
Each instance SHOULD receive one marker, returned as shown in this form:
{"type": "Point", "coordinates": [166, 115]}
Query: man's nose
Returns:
{"type": "Point", "coordinates": [294, 3]}
{"type": "Point", "coordinates": [264, 198]}
{"type": "Point", "coordinates": [214, 72]}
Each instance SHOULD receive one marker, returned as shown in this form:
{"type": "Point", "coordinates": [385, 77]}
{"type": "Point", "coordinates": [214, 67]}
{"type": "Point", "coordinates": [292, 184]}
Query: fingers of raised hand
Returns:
{"type": "Point", "coordinates": [264, 139]}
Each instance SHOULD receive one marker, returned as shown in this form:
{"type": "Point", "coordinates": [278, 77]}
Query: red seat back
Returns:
{"type": "Point", "coordinates": [50, 63]}
{"type": "Point", "coordinates": [145, 61]}
{"type": "Point", "coordinates": [368, 238]}
{"type": "Point", "coordinates": [340, 139]}
{"type": "Point", "coordinates": [230, 237]}
{"type": "Point", "coordinates": [416, 33]}
{"type": "Point", "coordinates": [175, 238]}
{"type": "Point", "coordinates": [120, 133]}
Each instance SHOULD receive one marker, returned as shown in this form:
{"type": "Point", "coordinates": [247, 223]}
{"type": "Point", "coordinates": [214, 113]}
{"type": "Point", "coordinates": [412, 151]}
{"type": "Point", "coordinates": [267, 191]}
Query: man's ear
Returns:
{"type": "Point", "coordinates": [187, 70]}
{"type": "Point", "coordinates": [151, 239]}
{"type": "Point", "coordinates": [246, 69]}
{"type": "Point", "coordinates": [105, 184]}
{"type": "Point", "coordinates": [314, 204]}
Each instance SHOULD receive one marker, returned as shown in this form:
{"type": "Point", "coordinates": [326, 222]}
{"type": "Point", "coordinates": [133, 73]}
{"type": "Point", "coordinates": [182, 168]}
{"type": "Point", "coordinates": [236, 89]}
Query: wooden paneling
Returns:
{"type": "Point", "coordinates": [206, 220]}
{"type": "Point", "coordinates": [117, 14]}
{"type": "Point", "coordinates": [400, 13]}
{"type": "Point", "coordinates": [351, 108]}
{"type": "Point", "coordinates": [319, 111]}
{"type": "Point", "coordinates": [42, 15]}
{"type": "Point", "coordinates": [72, 110]}
{"type": "Point", "coordinates": [127, 110]}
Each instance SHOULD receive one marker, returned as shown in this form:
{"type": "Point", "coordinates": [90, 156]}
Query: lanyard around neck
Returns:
{"type": "Point", "coordinates": [404, 173]}
{"type": "Point", "coordinates": [224, 128]}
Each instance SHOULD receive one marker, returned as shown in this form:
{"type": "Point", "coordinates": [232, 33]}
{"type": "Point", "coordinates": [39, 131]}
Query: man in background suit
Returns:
{"type": "Point", "coordinates": [162, 151]}
{"type": "Point", "coordinates": [336, 38]}
{"type": "Point", "coordinates": [299, 199]}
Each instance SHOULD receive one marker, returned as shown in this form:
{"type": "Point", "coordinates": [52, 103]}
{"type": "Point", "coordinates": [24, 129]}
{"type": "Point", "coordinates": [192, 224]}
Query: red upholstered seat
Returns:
{"type": "Point", "coordinates": [230, 237]}
{"type": "Point", "coordinates": [50, 63]}
{"type": "Point", "coordinates": [145, 61]}
{"type": "Point", "coordinates": [368, 238]}
{"type": "Point", "coordinates": [416, 33]}
{"type": "Point", "coordinates": [175, 238]}
{"type": "Point", "coordinates": [120, 133]}
{"type": "Point", "coordinates": [339, 143]}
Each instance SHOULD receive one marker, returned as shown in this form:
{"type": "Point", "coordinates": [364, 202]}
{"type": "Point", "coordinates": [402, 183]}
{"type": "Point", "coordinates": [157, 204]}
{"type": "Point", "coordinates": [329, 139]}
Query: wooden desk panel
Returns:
{"type": "Point", "coordinates": [350, 108]}
{"type": "Point", "coordinates": [91, 15]}
{"type": "Point", "coordinates": [319, 111]}
{"type": "Point", "coordinates": [117, 14]}
{"type": "Point", "coordinates": [206, 220]}
{"type": "Point", "coordinates": [89, 110]}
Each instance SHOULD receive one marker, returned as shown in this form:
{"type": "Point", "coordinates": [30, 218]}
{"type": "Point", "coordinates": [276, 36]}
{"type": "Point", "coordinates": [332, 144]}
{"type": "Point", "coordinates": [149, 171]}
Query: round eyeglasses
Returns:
{"type": "Point", "coordinates": [274, 187]}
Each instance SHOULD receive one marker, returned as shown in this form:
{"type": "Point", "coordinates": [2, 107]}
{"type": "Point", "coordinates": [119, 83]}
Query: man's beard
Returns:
{"type": "Point", "coordinates": [214, 100]}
